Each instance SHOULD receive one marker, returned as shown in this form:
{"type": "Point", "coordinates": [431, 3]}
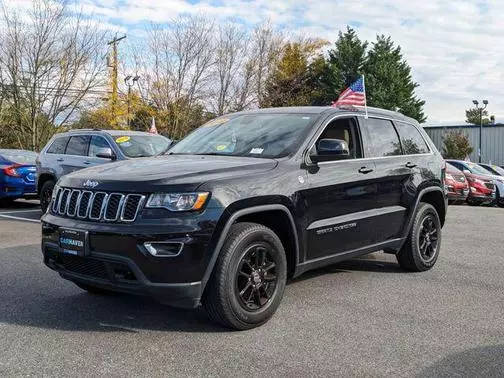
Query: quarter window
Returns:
{"type": "Point", "coordinates": [412, 141]}
{"type": "Point", "coordinates": [383, 138]}
{"type": "Point", "coordinates": [97, 143]}
{"type": "Point", "coordinates": [58, 146]}
{"type": "Point", "coordinates": [78, 145]}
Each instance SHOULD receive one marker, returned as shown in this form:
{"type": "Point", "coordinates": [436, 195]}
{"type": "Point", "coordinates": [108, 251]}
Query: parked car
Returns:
{"type": "Point", "coordinates": [494, 169]}
{"type": "Point", "coordinates": [483, 190]}
{"type": "Point", "coordinates": [497, 174]}
{"type": "Point", "coordinates": [78, 149]}
{"type": "Point", "coordinates": [246, 201]}
{"type": "Point", "coordinates": [456, 185]}
{"type": "Point", "coordinates": [17, 174]}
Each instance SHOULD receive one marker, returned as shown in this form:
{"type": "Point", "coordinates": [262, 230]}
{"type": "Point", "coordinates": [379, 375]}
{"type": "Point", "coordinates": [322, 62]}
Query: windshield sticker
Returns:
{"type": "Point", "coordinates": [306, 117]}
{"type": "Point", "coordinates": [216, 122]}
{"type": "Point", "coordinates": [256, 150]}
{"type": "Point", "coordinates": [221, 147]}
{"type": "Point", "coordinates": [123, 139]}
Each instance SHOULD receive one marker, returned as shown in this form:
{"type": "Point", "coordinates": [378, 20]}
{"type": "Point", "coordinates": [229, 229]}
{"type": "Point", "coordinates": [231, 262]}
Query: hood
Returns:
{"type": "Point", "coordinates": [159, 173]}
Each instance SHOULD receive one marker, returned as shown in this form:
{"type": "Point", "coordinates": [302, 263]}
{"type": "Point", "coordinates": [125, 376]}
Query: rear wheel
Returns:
{"type": "Point", "coordinates": [46, 194]}
{"type": "Point", "coordinates": [421, 249]}
{"type": "Point", "coordinates": [249, 278]}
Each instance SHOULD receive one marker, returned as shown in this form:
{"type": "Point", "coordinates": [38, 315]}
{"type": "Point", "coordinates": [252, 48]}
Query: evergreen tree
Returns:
{"type": "Point", "coordinates": [343, 66]}
{"type": "Point", "coordinates": [389, 83]}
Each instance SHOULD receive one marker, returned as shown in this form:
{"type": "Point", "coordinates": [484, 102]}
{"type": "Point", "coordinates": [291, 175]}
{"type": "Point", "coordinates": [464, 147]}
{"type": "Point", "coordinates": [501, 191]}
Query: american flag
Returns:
{"type": "Point", "coordinates": [355, 94]}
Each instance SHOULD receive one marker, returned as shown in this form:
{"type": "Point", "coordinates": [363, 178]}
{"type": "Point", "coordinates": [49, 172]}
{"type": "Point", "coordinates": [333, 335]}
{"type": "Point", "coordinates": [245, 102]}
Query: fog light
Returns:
{"type": "Point", "coordinates": [164, 249]}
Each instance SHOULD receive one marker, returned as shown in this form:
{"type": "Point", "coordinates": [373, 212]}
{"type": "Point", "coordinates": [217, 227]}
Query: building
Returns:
{"type": "Point", "coordinates": [492, 146]}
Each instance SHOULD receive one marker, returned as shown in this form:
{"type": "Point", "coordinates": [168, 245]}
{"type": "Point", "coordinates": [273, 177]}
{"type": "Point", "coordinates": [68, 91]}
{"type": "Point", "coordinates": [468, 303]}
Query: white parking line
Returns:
{"type": "Point", "coordinates": [19, 218]}
{"type": "Point", "coordinates": [20, 211]}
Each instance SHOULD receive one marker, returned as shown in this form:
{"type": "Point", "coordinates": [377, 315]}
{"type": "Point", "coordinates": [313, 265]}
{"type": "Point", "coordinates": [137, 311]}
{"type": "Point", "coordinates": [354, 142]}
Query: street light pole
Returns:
{"type": "Point", "coordinates": [480, 109]}
{"type": "Point", "coordinates": [129, 83]}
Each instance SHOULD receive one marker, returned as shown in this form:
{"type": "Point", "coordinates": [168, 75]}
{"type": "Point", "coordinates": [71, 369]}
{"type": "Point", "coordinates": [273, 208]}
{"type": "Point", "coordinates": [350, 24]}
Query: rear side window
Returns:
{"type": "Point", "coordinates": [78, 145]}
{"type": "Point", "coordinates": [383, 138]}
{"type": "Point", "coordinates": [412, 141]}
{"type": "Point", "coordinates": [97, 143]}
{"type": "Point", "coordinates": [58, 146]}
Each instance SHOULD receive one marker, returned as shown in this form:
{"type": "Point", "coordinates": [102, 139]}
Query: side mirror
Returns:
{"type": "Point", "coordinates": [330, 149]}
{"type": "Point", "coordinates": [106, 153]}
{"type": "Point", "coordinates": [466, 172]}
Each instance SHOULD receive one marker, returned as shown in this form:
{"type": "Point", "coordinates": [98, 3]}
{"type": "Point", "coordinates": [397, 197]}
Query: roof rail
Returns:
{"type": "Point", "coordinates": [89, 129]}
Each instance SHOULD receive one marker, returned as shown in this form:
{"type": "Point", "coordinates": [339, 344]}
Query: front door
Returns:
{"type": "Point", "coordinates": [341, 195]}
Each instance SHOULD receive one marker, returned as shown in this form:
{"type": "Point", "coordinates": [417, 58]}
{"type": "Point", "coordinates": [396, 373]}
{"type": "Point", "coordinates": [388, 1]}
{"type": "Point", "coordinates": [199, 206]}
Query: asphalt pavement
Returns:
{"type": "Point", "coordinates": [364, 317]}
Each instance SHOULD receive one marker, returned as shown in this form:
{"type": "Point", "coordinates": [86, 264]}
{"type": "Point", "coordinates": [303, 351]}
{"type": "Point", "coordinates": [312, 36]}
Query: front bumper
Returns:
{"type": "Point", "coordinates": [117, 260]}
{"type": "Point", "coordinates": [456, 194]}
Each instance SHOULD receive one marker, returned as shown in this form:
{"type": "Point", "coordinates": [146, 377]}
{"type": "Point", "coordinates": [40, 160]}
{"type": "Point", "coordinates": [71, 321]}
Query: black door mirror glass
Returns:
{"type": "Point", "coordinates": [106, 153]}
{"type": "Point", "coordinates": [330, 149]}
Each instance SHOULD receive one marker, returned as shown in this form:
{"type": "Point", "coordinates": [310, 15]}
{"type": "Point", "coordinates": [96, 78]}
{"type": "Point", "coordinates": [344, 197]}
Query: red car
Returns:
{"type": "Point", "coordinates": [456, 185]}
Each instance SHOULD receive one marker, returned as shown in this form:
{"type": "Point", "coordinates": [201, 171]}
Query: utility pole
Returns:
{"type": "Point", "coordinates": [480, 109]}
{"type": "Point", "coordinates": [114, 64]}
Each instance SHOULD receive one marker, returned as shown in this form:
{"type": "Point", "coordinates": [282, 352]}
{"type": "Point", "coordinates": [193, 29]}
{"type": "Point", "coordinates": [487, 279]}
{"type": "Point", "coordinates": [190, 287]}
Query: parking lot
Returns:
{"type": "Point", "coordinates": [362, 317]}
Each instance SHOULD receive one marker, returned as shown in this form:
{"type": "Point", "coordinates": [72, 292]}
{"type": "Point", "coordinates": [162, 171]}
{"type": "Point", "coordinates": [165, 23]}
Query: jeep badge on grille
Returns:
{"type": "Point", "coordinates": [90, 184]}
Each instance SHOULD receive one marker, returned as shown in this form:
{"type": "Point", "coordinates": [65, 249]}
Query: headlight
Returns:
{"type": "Point", "coordinates": [178, 201]}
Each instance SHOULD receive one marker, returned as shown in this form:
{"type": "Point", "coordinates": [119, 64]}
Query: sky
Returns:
{"type": "Point", "coordinates": [454, 47]}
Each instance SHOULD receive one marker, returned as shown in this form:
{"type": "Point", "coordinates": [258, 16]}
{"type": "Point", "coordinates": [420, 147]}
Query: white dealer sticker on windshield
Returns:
{"type": "Point", "coordinates": [256, 150]}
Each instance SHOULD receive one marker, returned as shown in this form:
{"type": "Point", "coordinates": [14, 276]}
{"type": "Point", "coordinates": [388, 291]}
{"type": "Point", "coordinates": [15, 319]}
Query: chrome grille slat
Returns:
{"type": "Point", "coordinates": [97, 206]}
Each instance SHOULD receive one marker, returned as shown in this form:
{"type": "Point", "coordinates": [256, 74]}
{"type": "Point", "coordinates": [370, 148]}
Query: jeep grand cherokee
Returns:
{"type": "Point", "coordinates": [247, 201]}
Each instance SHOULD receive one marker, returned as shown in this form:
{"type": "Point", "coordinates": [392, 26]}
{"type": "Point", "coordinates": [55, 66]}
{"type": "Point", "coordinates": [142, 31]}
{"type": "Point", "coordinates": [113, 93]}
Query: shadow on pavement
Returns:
{"type": "Point", "coordinates": [486, 361]}
{"type": "Point", "coordinates": [19, 205]}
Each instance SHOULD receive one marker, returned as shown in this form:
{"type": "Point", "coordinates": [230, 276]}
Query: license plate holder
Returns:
{"type": "Point", "coordinates": [73, 242]}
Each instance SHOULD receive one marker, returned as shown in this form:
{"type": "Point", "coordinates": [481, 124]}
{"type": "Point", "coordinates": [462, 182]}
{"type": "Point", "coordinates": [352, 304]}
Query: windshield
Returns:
{"type": "Point", "coordinates": [142, 145]}
{"type": "Point", "coordinates": [254, 135]}
{"type": "Point", "coordinates": [19, 156]}
{"type": "Point", "coordinates": [476, 169]}
{"type": "Point", "coordinates": [499, 171]}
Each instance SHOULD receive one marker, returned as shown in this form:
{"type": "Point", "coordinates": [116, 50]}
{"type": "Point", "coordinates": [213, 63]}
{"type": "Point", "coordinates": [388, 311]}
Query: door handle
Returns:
{"type": "Point", "coordinates": [365, 170]}
{"type": "Point", "coordinates": [59, 159]}
{"type": "Point", "coordinates": [87, 162]}
{"type": "Point", "coordinates": [410, 165]}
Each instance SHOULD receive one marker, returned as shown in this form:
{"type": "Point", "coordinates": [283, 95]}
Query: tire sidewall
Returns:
{"type": "Point", "coordinates": [425, 210]}
{"type": "Point", "coordinates": [48, 185]}
{"type": "Point", "coordinates": [278, 255]}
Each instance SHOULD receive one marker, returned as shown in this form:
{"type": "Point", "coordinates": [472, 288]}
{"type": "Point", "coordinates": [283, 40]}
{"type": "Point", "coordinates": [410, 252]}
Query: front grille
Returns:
{"type": "Point", "coordinates": [85, 266]}
{"type": "Point", "coordinates": [490, 185]}
{"type": "Point", "coordinates": [97, 206]}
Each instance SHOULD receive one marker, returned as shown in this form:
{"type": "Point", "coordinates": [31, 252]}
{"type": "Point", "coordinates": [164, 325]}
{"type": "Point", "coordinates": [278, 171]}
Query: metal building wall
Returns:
{"type": "Point", "coordinates": [493, 140]}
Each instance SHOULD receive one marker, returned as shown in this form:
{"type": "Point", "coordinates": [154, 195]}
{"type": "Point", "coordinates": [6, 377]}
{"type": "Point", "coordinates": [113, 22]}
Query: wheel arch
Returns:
{"type": "Point", "coordinates": [274, 216]}
{"type": "Point", "coordinates": [44, 177]}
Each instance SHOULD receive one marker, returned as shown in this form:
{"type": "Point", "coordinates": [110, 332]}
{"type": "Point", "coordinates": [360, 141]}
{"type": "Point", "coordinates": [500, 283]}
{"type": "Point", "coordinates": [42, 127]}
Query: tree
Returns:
{"type": "Point", "coordinates": [473, 116]}
{"type": "Point", "coordinates": [456, 145]}
{"type": "Point", "coordinates": [293, 79]}
{"type": "Point", "coordinates": [389, 84]}
{"type": "Point", "coordinates": [343, 67]}
{"type": "Point", "coordinates": [51, 64]}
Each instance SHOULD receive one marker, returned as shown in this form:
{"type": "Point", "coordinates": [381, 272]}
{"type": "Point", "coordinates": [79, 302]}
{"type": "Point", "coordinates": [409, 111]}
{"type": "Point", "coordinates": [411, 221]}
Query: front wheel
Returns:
{"type": "Point", "coordinates": [249, 278]}
{"type": "Point", "coordinates": [46, 194]}
{"type": "Point", "coordinates": [421, 249]}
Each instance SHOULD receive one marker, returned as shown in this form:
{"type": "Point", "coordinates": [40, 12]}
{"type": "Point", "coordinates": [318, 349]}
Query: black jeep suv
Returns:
{"type": "Point", "coordinates": [247, 201]}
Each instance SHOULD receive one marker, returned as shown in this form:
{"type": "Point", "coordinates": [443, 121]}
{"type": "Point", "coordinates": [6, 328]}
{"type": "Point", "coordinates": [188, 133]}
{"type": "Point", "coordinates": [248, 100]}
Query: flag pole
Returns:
{"type": "Point", "coordinates": [365, 97]}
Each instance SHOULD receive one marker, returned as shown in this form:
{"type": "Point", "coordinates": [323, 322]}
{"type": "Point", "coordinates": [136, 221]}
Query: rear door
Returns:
{"type": "Point", "coordinates": [76, 154]}
{"type": "Point", "coordinates": [53, 159]}
{"type": "Point", "coordinates": [397, 177]}
{"type": "Point", "coordinates": [340, 196]}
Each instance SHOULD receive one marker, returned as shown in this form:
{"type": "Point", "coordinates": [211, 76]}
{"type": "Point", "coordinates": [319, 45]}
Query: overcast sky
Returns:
{"type": "Point", "coordinates": [453, 46]}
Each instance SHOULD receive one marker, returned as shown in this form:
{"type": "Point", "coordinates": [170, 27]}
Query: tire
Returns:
{"type": "Point", "coordinates": [46, 194]}
{"type": "Point", "coordinates": [94, 290]}
{"type": "Point", "coordinates": [420, 252]}
{"type": "Point", "coordinates": [245, 289]}
{"type": "Point", "coordinates": [472, 202]}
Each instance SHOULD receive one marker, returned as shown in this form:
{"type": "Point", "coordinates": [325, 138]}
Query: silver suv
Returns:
{"type": "Point", "coordinates": [78, 149]}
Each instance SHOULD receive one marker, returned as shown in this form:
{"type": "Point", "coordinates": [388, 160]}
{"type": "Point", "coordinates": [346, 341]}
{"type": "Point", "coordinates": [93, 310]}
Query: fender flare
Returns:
{"type": "Point", "coordinates": [227, 227]}
{"type": "Point", "coordinates": [417, 202]}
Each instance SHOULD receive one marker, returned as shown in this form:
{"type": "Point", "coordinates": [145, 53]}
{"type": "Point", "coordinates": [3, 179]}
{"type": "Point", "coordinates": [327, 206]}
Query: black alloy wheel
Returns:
{"type": "Point", "coordinates": [428, 238]}
{"type": "Point", "coordinates": [256, 277]}
{"type": "Point", "coordinates": [46, 195]}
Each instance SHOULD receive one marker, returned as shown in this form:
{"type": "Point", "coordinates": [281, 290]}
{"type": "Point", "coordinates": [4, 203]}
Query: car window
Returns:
{"type": "Point", "coordinates": [78, 145]}
{"type": "Point", "coordinates": [270, 135]}
{"type": "Point", "coordinates": [18, 156]}
{"type": "Point", "coordinates": [58, 146]}
{"type": "Point", "coordinates": [97, 143]}
{"type": "Point", "coordinates": [134, 146]}
{"type": "Point", "coordinates": [383, 138]}
{"type": "Point", "coordinates": [343, 129]}
{"type": "Point", "coordinates": [458, 165]}
{"type": "Point", "coordinates": [476, 169]}
{"type": "Point", "coordinates": [412, 141]}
